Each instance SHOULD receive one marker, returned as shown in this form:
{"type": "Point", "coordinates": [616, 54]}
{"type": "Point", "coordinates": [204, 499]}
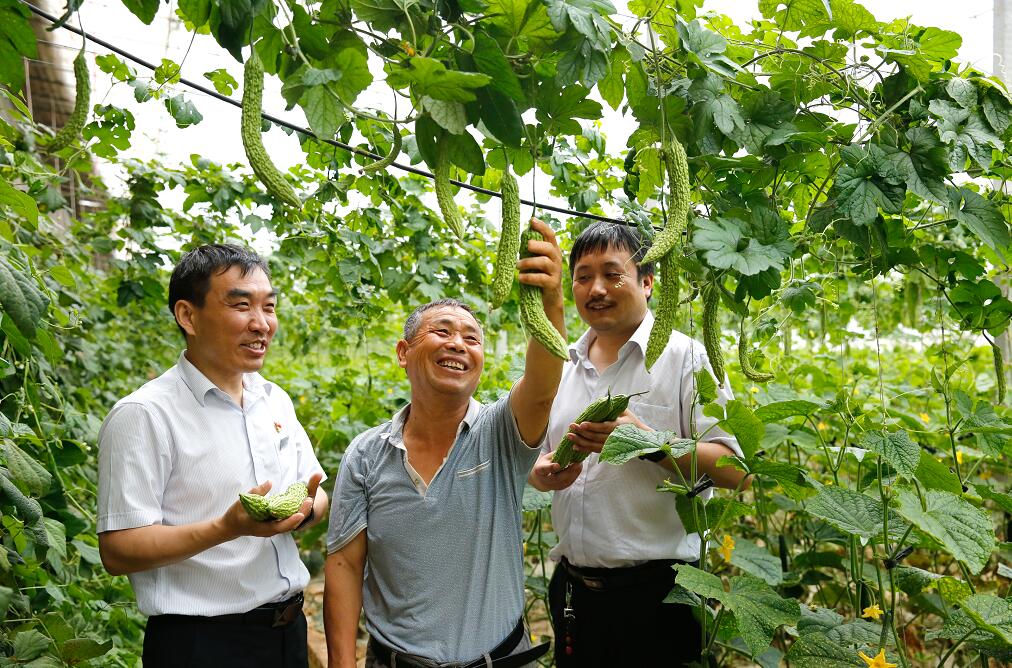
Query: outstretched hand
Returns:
{"type": "Point", "coordinates": [549, 476]}
{"type": "Point", "coordinates": [591, 436]}
{"type": "Point", "coordinates": [238, 522]}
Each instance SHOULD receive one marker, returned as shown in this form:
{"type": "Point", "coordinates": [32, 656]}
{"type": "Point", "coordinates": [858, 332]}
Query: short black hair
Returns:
{"type": "Point", "coordinates": [191, 279]}
{"type": "Point", "coordinates": [414, 320]}
{"type": "Point", "coordinates": [600, 236]}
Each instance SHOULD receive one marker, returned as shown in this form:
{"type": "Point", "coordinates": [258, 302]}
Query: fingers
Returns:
{"type": "Point", "coordinates": [545, 229]}
{"type": "Point", "coordinates": [314, 483]}
{"type": "Point", "coordinates": [262, 488]}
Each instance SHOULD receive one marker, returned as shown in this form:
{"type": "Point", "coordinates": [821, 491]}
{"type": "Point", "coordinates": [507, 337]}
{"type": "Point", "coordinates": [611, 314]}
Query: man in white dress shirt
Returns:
{"type": "Point", "coordinates": [619, 537]}
{"type": "Point", "coordinates": [221, 589]}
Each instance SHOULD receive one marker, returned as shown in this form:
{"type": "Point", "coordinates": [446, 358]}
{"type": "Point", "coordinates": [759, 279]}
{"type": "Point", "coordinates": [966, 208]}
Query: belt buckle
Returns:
{"type": "Point", "coordinates": [286, 615]}
{"type": "Point", "coordinates": [597, 584]}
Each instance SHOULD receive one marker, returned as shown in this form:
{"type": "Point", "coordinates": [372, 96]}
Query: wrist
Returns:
{"type": "Point", "coordinates": [308, 518]}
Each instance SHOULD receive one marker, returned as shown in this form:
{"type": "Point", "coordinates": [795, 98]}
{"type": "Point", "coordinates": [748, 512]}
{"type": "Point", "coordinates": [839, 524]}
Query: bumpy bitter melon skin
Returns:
{"type": "Point", "coordinates": [747, 369]}
{"type": "Point", "coordinates": [277, 507]}
{"type": "Point", "coordinates": [71, 130]}
{"type": "Point", "coordinates": [711, 331]}
{"type": "Point", "coordinates": [667, 310]}
{"type": "Point", "coordinates": [444, 189]}
{"type": "Point", "coordinates": [532, 309]}
{"type": "Point", "coordinates": [388, 159]}
{"type": "Point", "coordinates": [605, 409]}
{"type": "Point", "coordinates": [252, 97]}
{"type": "Point", "coordinates": [14, 302]}
{"type": "Point", "coordinates": [677, 166]}
{"type": "Point", "coordinates": [509, 241]}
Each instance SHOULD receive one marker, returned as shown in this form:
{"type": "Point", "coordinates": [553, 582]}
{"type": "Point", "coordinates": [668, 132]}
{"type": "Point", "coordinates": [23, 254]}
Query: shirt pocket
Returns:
{"type": "Point", "coordinates": [474, 470]}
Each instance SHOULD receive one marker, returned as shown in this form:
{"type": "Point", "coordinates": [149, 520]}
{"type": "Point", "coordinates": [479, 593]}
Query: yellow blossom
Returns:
{"type": "Point", "coordinates": [959, 456]}
{"type": "Point", "coordinates": [822, 426]}
{"type": "Point", "coordinates": [925, 418]}
{"type": "Point", "coordinates": [878, 662]}
{"type": "Point", "coordinates": [726, 547]}
{"type": "Point", "coordinates": [985, 475]}
{"type": "Point", "coordinates": [872, 612]}
{"type": "Point", "coordinates": [753, 389]}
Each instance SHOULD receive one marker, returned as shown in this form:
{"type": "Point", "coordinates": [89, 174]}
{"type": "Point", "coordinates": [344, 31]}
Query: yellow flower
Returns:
{"type": "Point", "coordinates": [959, 456]}
{"type": "Point", "coordinates": [985, 475]}
{"type": "Point", "coordinates": [822, 426]}
{"type": "Point", "coordinates": [753, 389]}
{"type": "Point", "coordinates": [872, 612]}
{"type": "Point", "coordinates": [726, 547]}
{"type": "Point", "coordinates": [878, 662]}
{"type": "Point", "coordinates": [925, 418]}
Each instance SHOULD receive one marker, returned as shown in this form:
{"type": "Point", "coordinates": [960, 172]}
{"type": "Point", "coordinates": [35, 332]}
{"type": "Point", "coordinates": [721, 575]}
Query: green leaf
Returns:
{"type": "Point", "coordinates": [223, 82]}
{"type": "Point", "coordinates": [780, 410]}
{"type": "Point", "coordinates": [20, 203]}
{"type": "Point", "coordinates": [145, 10]}
{"type": "Point", "coordinates": [427, 76]}
{"type": "Point", "coordinates": [525, 21]}
{"type": "Point", "coordinates": [627, 442]}
{"type": "Point", "coordinates": [17, 39]}
{"type": "Point", "coordinates": [923, 167]}
{"type": "Point", "coordinates": [964, 531]}
{"type": "Point", "coordinates": [29, 645]}
{"type": "Point", "coordinates": [716, 513]}
{"type": "Point", "coordinates": [26, 470]}
{"type": "Point", "coordinates": [324, 114]}
{"type": "Point", "coordinates": [990, 613]}
{"type": "Point", "coordinates": [355, 77]}
{"type": "Point", "coordinates": [466, 154]}
{"type": "Point", "coordinates": [490, 60]}
{"type": "Point", "coordinates": [76, 650]}
{"type": "Point", "coordinates": [982, 218]}
{"type": "Point", "coordinates": [535, 499]}
{"type": "Point", "coordinates": [757, 561]}
{"type": "Point", "coordinates": [500, 116]}
{"type": "Point", "coordinates": [230, 22]}
{"type": "Point", "coordinates": [896, 448]}
{"type": "Point", "coordinates": [612, 85]}
{"type": "Point", "coordinates": [741, 422]}
{"type": "Point", "coordinates": [56, 535]}
{"type": "Point", "coordinates": [559, 109]}
{"type": "Point", "coordinates": [726, 247]}
{"type": "Point", "coordinates": [183, 111]}
{"type": "Point", "coordinates": [815, 650]}
{"type": "Point", "coordinates": [849, 511]}
{"type": "Point", "coordinates": [706, 386]}
{"type": "Point", "coordinates": [197, 12]}
{"type": "Point", "coordinates": [448, 115]}
{"type": "Point", "coordinates": [791, 478]}
{"type": "Point", "coordinates": [933, 474]}
{"type": "Point", "coordinates": [862, 190]}
{"type": "Point", "coordinates": [962, 91]}
{"type": "Point", "coordinates": [1003, 501]}
{"type": "Point", "coordinates": [758, 609]}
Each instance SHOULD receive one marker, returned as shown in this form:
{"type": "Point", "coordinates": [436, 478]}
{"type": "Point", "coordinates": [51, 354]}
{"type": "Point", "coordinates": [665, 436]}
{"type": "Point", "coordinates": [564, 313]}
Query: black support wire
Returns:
{"type": "Point", "coordinates": [306, 131]}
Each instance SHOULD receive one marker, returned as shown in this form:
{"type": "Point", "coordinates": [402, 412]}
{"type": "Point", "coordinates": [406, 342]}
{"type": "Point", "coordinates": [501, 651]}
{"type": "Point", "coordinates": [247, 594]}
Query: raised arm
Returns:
{"type": "Point", "coordinates": [342, 600]}
{"type": "Point", "coordinates": [532, 397]}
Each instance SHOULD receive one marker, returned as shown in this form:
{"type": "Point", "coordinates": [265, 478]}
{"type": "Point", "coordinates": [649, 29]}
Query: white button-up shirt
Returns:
{"type": "Point", "coordinates": [179, 450]}
{"type": "Point", "coordinates": [613, 516]}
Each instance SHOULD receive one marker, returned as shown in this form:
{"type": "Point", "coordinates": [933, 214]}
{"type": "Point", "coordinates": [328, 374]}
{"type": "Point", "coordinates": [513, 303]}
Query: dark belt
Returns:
{"type": "Point", "coordinates": [500, 656]}
{"type": "Point", "coordinates": [277, 614]}
{"type": "Point", "coordinates": [603, 579]}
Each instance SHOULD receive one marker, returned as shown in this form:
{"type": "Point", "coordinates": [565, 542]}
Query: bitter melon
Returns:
{"type": "Point", "coordinates": [71, 130]}
{"type": "Point", "coordinates": [388, 159]}
{"type": "Point", "coordinates": [279, 506]}
{"type": "Point", "coordinates": [252, 97]}
{"type": "Point", "coordinates": [745, 360]}
{"type": "Point", "coordinates": [14, 302]}
{"type": "Point", "coordinates": [532, 309]}
{"type": "Point", "coordinates": [604, 409]}
{"type": "Point", "coordinates": [444, 189]}
{"type": "Point", "coordinates": [667, 309]}
{"type": "Point", "coordinates": [677, 166]}
{"type": "Point", "coordinates": [711, 331]}
{"type": "Point", "coordinates": [999, 371]}
{"type": "Point", "coordinates": [509, 240]}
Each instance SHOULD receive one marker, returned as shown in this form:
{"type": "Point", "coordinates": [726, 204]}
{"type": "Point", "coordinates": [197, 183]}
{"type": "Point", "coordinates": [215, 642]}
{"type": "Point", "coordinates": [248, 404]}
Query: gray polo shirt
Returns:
{"type": "Point", "coordinates": [444, 574]}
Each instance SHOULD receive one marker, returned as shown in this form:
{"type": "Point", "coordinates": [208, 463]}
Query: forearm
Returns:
{"type": "Point", "coordinates": [708, 453]}
{"type": "Point", "coordinates": [542, 369]}
{"type": "Point", "coordinates": [342, 606]}
{"type": "Point", "coordinates": [143, 548]}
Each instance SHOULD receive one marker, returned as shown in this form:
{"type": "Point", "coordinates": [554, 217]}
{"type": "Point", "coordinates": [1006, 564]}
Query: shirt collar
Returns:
{"type": "Point", "coordinates": [579, 352]}
{"type": "Point", "coordinates": [200, 385]}
{"type": "Point", "coordinates": [395, 435]}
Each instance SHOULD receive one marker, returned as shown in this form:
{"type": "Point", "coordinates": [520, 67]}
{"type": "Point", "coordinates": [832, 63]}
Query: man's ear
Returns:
{"type": "Point", "coordinates": [402, 353]}
{"type": "Point", "coordinates": [184, 312]}
{"type": "Point", "coordinates": [648, 285]}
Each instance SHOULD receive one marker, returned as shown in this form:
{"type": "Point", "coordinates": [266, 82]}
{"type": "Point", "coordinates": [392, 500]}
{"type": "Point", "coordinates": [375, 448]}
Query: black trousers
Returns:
{"type": "Point", "coordinates": [622, 626]}
{"type": "Point", "coordinates": [193, 642]}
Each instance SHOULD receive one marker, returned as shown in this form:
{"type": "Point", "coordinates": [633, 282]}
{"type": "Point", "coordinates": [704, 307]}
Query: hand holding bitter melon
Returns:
{"type": "Point", "coordinates": [605, 409]}
{"type": "Point", "coordinates": [277, 507]}
{"type": "Point", "coordinates": [541, 287]}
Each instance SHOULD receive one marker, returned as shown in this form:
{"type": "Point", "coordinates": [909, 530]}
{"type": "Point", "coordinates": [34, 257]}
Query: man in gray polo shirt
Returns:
{"type": "Point", "coordinates": [426, 507]}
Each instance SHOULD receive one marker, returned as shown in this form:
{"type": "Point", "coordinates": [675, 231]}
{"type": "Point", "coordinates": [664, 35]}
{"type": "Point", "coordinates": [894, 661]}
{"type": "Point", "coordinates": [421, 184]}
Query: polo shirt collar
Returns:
{"type": "Point", "coordinates": [579, 352]}
{"type": "Point", "coordinates": [200, 385]}
{"type": "Point", "coordinates": [395, 436]}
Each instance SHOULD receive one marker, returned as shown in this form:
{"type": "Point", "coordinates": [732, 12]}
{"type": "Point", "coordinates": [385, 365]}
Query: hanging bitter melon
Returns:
{"type": "Point", "coordinates": [677, 166]}
{"type": "Point", "coordinates": [532, 309]}
{"type": "Point", "coordinates": [509, 241]}
{"type": "Point", "coordinates": [71, 130]}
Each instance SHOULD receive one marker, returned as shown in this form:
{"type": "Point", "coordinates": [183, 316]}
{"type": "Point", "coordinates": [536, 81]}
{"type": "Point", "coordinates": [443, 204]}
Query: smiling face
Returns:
{"type": "Point", "coordinates": [229, 334]}
{"type": "Point", "coordinates": [446, 355]}
{"type": "Point", "coordinates": [608, 294]}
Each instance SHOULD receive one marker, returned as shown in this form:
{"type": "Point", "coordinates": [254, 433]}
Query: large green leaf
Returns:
{"type": "Point", "coordinates": [725, 246]}
{"type": "Point", "coordinates": [17, 40]}
{"type": "Point", "coordinates": [990, 613]}
{"type": "Point", "coordinates": [983, 218]}
{"type": "Point", "coordinates": [428, 76]}
{"type": "Point", "coordinates": [628, 442]}
{"type": "Point", "coordinates": [964, 531]}
{"type": "Point", "coordinates": [757, 561]}
{"type": "Point", "coordinates": [26, 469]}
{"type": "Point", "coordinates": [933, 474]}
{"type": "Point", "coordinates": [717, 512]}
{"type": "Point", "coordinates": [780, 410]}
{"type": "Point", "coordinates": [865, 184]}
{"type": "Point", "coordinates": [815, 650]}
{"type": "Point", "coordinates": [741, 422]}
{"type": "Point", "coordinates": [523, 21]}
{"type": "Point", "coordinates": [758, 609]}
{"type": "Point", "coordinates": [896, 448]}
{"type": "Point", "coordinates": [792, 478]}
{"type": "Point", "coordinates": [849, 511]}
{"type": "Point", "coordinates": [535, 499]}
{"type": "Point", "coordinates": [490, 60]}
